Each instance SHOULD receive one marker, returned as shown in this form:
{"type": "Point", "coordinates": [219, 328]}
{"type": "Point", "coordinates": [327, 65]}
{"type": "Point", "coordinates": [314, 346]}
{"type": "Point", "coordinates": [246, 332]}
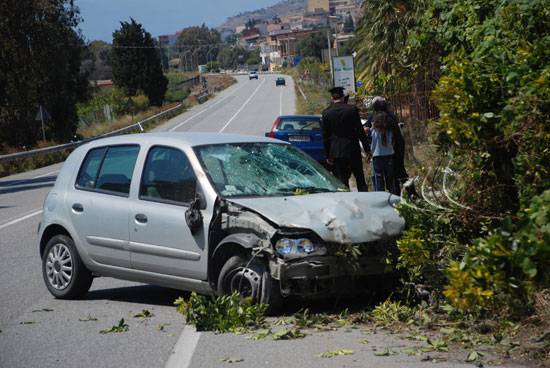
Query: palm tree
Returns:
{"type": "Point", "coordinates": [382, 34]}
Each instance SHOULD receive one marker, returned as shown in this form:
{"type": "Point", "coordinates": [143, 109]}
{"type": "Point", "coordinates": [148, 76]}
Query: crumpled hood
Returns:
{"type": "Point", "coordinates": [346, 217]}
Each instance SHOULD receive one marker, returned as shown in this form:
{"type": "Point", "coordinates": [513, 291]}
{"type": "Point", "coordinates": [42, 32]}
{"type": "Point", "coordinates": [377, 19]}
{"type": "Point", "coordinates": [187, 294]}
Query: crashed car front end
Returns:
{"type": "Point", "coordinates": [324, 258]}
{"type": "Point", "coordinates": [276, 203]}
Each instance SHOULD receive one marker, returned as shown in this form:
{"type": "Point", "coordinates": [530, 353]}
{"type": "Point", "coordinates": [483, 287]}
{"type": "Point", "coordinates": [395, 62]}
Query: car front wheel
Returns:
{"type": "Point", "coordinates": [250, 278]}
{"type": "Point", "coordinates": [65, 275]}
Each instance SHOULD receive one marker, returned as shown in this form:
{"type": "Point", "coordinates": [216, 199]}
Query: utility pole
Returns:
{"type": "Point", "coordinates": [330, 51]}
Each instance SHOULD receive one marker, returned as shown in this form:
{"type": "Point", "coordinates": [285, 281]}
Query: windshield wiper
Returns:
{"type": "Point", "coordinates": [307, 190]}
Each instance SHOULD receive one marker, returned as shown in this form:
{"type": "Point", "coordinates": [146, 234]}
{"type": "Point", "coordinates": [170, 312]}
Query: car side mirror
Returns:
{"type": "Point", "coordinates": [193, 215]}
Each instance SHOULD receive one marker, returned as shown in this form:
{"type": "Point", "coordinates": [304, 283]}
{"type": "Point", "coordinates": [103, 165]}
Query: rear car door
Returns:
{"type": "Point", "coordinates": [99, 205]}
{"type": "Point", "coordinates": [160, 240]}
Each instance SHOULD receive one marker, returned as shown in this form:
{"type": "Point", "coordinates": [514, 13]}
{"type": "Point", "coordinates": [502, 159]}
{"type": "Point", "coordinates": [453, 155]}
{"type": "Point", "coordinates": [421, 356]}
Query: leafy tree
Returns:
{"type": "Point", "coordinates": [136, 62]}
{"type": "Point", "coordinates": [253, 57]}
{"type": "Point", "coordinates": [200, 44]}
{"type": "Point", "coordinates": [97, 60]}
{"type": "Point", "coordinates": [232, 57]}
{"type": "Point", "coordinates": [382, 35]}
{"type": "Point", "coordinates": [213, 67]}
{"type": "Point", "coordinates": [312, 45]}
{"type": "Point", "coordinates": [40, 63]}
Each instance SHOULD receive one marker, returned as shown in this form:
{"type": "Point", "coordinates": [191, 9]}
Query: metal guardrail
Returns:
{"type": "Point", "coordinates": [63, 147]}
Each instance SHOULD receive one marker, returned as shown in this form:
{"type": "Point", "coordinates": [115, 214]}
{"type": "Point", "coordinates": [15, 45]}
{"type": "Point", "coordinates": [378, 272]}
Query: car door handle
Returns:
{"type": "Point", "coordinates": [141, 218]}
{"type": "Point", "coordinates": [77, 207]}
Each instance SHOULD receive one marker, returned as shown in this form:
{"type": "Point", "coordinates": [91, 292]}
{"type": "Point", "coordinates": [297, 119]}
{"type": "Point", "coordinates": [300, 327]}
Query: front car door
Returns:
{"type": "Point", "coordinates": [160, 240]}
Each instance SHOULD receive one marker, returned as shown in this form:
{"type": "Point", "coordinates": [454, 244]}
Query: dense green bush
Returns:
{"type": "Point", "coordinates": [227, 313]}
{"type": "Point", "coordinates": [488, 62]}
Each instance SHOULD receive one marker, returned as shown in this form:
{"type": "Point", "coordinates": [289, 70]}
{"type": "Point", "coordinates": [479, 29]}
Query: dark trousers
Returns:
{"type": "Point", "coordinates": [344, 167]}
{"type": "Point", "coordinates": [382, 174]}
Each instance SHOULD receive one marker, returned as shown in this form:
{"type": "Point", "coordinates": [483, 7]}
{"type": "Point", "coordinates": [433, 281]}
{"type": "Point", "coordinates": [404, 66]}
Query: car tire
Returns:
{"type": "Point", "coordinates": [257, 282]}
{"type": "Point", "coordinates": [64, 273]}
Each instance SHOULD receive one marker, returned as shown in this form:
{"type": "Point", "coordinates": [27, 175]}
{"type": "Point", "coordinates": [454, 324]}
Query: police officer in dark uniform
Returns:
{"type": "Point", "coordinates": [342, 132]}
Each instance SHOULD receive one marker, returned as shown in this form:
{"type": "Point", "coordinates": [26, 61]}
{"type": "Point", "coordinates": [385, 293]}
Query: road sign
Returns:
{"type": "Point", "coordinates": [42, 115]}
{"type": "Point", "coordinates": [344, 73]}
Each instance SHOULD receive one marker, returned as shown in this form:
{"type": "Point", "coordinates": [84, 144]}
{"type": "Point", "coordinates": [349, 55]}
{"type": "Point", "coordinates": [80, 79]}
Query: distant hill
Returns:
{"type": "Point", "coordinates": [285, 7]}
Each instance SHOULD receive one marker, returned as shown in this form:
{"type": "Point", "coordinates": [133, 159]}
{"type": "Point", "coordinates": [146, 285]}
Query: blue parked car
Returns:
{"type": "Point", "coordinates": [302, 131]}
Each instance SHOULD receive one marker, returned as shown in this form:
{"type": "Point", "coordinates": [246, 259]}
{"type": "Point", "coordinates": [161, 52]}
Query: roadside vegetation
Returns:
{"type": "Point", "coordinates": [312, 82]}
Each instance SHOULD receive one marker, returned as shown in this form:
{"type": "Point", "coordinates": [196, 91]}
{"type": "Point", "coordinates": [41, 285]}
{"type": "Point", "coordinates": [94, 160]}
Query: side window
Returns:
{"type": "Point", "coordinates": [88, 172]}
{"type": "Point", "coordinates": [167, 177]}
{"type": "Point", "coordinates": [115, 165]}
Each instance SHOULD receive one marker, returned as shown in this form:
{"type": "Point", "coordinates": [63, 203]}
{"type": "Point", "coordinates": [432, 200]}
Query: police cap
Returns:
{"type": "Point", "coordinates": [337, 92]}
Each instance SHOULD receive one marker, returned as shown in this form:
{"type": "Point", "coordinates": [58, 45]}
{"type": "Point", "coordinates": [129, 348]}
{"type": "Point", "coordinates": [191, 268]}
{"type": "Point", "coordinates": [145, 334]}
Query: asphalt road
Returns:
{"type": "Point", "coordinates": [40, 331]}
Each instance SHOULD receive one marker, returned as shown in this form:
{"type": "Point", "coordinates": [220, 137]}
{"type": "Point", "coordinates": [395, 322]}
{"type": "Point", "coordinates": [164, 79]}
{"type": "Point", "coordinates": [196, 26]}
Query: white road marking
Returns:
{"type": "Point", "coordinates": [281, 102]}
{"type": "Point", "coordinates": [184, 349]}
{"type": "Point", "coordinates": [17, 220]}
{"type": "Point", "coordinates": [243, 106]}
{"type": "Point", "coordinates": [206, 109]}
{"type": "Point", "coordinates": [46, 174]}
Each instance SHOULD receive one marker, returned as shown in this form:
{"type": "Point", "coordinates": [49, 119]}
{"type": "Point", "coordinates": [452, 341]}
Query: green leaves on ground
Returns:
{"type": "Point", "coordinates": [390, 312]}
{"type": "Point", "coordinates": [227, 313]}
{"type": "Point", "coordinates": [384, 352]}
{"type": "Point", "coordinates": [474, 356]}
{"type": "Point", "coordinates": [288, 334]}
{"type": "Point", "coordinates": [260, 335]}
{"type": "Point", "coordinates": [145, 313]}
{"type": "Point", "coordinates": [335, 353]}
{"type": "Point", "coordinates": [118, 328]}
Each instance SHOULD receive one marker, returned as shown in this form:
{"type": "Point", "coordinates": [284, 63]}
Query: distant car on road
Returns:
{"type": "Point", "coordinates": [280, 81]}
{"type": "Point", "coordinates": [302, 131]}
{"type": "Point", "coordinates": [252, 75]}
{"type": "Point", "coordinates": [212, 213]}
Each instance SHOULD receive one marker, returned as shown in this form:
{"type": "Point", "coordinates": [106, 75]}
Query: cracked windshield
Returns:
{"type": "Point", "coordinates": [264, 169]}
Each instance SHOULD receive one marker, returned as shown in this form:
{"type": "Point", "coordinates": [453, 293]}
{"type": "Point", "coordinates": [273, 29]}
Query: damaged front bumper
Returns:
{"type": "Point", "coordinates": [321, 276]}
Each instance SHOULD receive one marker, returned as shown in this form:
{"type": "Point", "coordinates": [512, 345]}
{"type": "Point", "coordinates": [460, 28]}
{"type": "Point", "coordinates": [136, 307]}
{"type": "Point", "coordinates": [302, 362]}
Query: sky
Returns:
{"type": "Point", "coordinates": [102, 17]}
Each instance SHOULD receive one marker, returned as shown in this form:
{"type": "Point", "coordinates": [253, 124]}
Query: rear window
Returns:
{"type": "Point", "coordinates": [108, 169]}
{"type": "Point", "coordinates": [299, 124]}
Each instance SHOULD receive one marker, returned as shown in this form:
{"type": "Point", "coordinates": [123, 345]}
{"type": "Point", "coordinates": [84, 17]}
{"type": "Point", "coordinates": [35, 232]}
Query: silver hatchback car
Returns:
{"type": "Point", "coordinates": [212, 213]}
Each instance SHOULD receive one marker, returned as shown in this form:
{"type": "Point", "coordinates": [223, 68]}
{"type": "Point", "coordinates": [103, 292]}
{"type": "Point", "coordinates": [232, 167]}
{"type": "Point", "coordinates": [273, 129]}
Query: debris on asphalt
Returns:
{"type": "Point", "coordinates": [28, 322]}
{"type": "Point", "coordinates": [88, 318]}
{"type": "Point", "coordinates": [118, 328]}
{"type": "Point", "coordinates": [335, 353]}
{"type": "Point", "coordinates": [288, 334]}
{"type": "Point", "coordinates": [162, 326]}
{"type": "Point", "coordinates": [145, 313]}
{"type": "Point", "coordinates": [232, 360]}
{"type": "Point", "coordinates": [42, 310]}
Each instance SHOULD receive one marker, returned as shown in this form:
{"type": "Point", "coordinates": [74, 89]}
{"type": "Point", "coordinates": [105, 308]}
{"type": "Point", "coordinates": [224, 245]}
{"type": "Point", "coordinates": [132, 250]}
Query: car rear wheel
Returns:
{"type": "Point", "coordinates": [65, 275]}
{"type": "Point", "coordinates": [250, 278]}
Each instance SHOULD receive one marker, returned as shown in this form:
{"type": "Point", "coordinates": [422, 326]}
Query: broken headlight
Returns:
{"type": "Point", "coordinates": [287, 246]}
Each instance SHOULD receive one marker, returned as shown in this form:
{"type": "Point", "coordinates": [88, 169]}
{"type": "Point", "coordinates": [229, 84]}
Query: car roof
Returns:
{"type": "Point", "coordinates": [191, 139]}
{"type": "Point", "coordinates": [282, 117]}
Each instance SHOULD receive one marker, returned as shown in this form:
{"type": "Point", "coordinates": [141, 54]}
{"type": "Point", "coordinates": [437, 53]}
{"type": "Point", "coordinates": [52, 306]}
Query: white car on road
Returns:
{"type": "Point", "coordinates": [213, 213]}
